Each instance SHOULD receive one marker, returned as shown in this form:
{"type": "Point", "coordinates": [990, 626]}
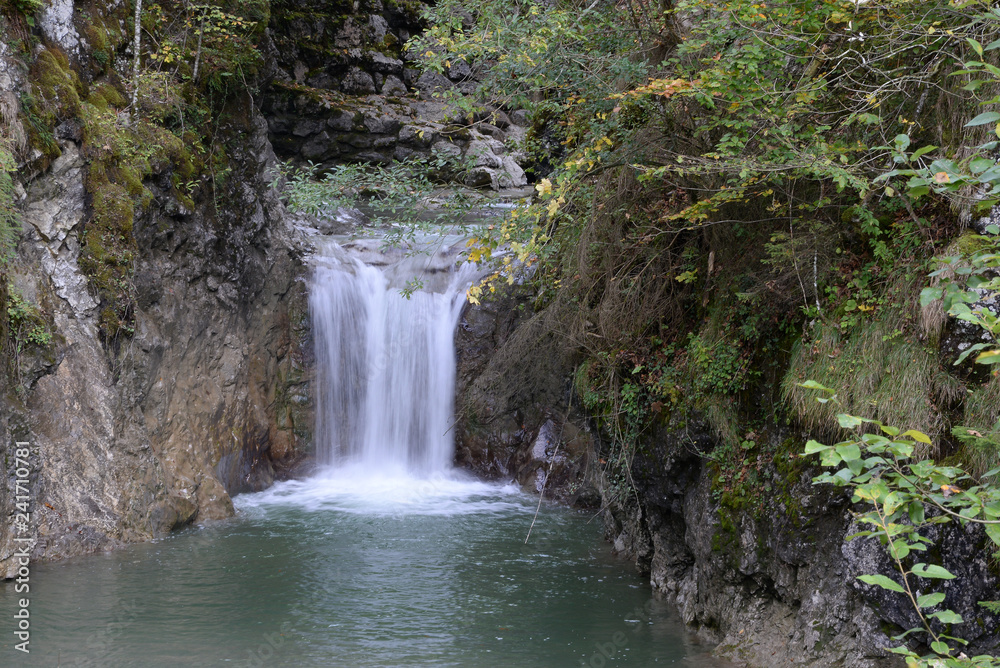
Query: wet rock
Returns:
{"type": "Point", "coordinates": [459, 71]}
{"type": "Point", "coordinates": [357, 82]}
{"type": "Point", "coordinates": [431, 82]}
{"type": "Point", "coordinates": [393, 86]}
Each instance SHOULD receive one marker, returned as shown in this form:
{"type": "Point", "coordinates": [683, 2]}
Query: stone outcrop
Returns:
{"type": "Point", "coordinates": [515, 420]}
{"type": "Point", "coordinates": [209, 397]}
{"type": "Point", "coordinates": [327, 128]}
{"type": "Point", "coordinates": [778, 586]}
{"type": "Point", "coordinates": [343, 89]}
{"type": "Point", "coordinates": [774, 584]}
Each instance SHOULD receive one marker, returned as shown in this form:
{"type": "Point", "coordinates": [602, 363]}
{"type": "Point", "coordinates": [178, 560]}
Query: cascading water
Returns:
{"type": "Point", "coordinates": [388, 558]}
{"type": "Point", "coordinates": [385, 361]}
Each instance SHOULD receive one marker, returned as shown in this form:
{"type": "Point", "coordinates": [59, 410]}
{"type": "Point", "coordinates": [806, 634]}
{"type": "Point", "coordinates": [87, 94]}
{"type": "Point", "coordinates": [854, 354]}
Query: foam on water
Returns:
{"type": "Point", "coordinates": [354, 488]}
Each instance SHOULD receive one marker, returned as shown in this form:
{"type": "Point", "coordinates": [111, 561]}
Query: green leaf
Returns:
{"type": "Point", "coordinates": [989, 357]}
{"type": "Point", "coordinates": [844, 474]}
{"type": "Point", "coordinates": [883, 582]}
{"type": "Point", "coordinates": [928, 295]}
{"type": "Point", "coordinates": [849, 452]}
{"type": "Point", "coordinates": [923, 150]}
{"type": "Point", "coordinates": [931, 571]}
{"type": "Point", "coordinates": [940, 648]}
{"type": "Point", "coordinates": [976, 46]}
{"type": "Point", "coordinates": [901, 448]}
{"type": "Point", "coordinates": [849, 421]}
{"type": "Point", "coordinates": [968, 351]}
{"type": "Point", "coordinates": [856, 466]}
{"type": "Point", "coordinates": [984, 119]}
{"type": "Point", "coordinates": [993, 531]}
{"type": "Point", "coordinates": [980, 165]}
{"type": "Point", "coordinates": [892, 502]}
{"type": "Point", "coordinates": [812, 447]}
{"type": "Point", "coordinates": [916, 512]}
{"type": "Point", "coordinates": [813, 385]}
{"type": "Point", "coordinates": [930, 600]}
{"type": "Point", "coordinates": [829, 458]}
{"type": "Point", "coordinates": [947, 617]}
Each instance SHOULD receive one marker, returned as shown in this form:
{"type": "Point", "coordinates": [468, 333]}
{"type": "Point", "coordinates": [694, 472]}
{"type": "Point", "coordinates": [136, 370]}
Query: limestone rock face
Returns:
{"type": "Point", "coordinates": [56, 22]}
{"type": "Point", "coordinates": [776, 588]}
{"type": "Point", "coordinates": [210, 396]}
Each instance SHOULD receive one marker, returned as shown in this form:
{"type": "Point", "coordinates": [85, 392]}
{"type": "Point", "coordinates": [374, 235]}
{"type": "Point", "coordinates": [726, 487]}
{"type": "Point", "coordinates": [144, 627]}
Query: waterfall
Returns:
{"type": "Point", "coordinates": [385, 362]}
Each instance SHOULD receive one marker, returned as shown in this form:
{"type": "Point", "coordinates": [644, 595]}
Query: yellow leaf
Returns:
{"type": "Point", "coordinates": [988, 357]}
{"type": "Point", "coordinates": [917, 436]}
{"type": "Point", "coordinates": [544, 187]}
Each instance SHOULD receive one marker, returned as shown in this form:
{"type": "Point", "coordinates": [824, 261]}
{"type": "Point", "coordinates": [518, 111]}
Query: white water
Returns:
{"type": "Point", "coordinates": [385, 363]}
{"type": "Point", "coordinates": [357, 490]}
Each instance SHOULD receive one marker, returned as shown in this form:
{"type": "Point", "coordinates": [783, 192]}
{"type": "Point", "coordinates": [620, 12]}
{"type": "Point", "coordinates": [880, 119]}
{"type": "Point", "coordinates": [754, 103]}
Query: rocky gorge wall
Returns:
{"type": "Point", "coordinates": [132, 444]}
{"type": "Point", "coordinates": [135, 436]}
{"type": "Point", "coordinates": [770, 577]}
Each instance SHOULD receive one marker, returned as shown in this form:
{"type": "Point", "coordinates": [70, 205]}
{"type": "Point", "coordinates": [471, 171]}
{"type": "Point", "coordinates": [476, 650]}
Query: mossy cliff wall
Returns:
{"type": "Point", "coordinates": [171, 365]}
{"type": "Point", "coordinates": [754, 555]}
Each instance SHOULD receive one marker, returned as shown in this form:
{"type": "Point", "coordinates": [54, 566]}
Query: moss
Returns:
{"type": "Point", "coordinates": [103, 42]}
{"type": "Point", "coordinates": [724, 540]}
{"type": "Point", "coordinates": [113, 209]}
{"type": "Point", "coordinates": [105, 96]}
{"type": "Point", "coordinates": [410, 9]}
{"type": "Point", "coordinates": [878, 369]}
{"type": "Point", "coordinates": [58, 86]}
{"type": "Point", "coordinates": [53, 96]}
{"type": "Point", "coordinates": [121, 156]}
{"type": "Point", "coordinates": [969, 243]}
